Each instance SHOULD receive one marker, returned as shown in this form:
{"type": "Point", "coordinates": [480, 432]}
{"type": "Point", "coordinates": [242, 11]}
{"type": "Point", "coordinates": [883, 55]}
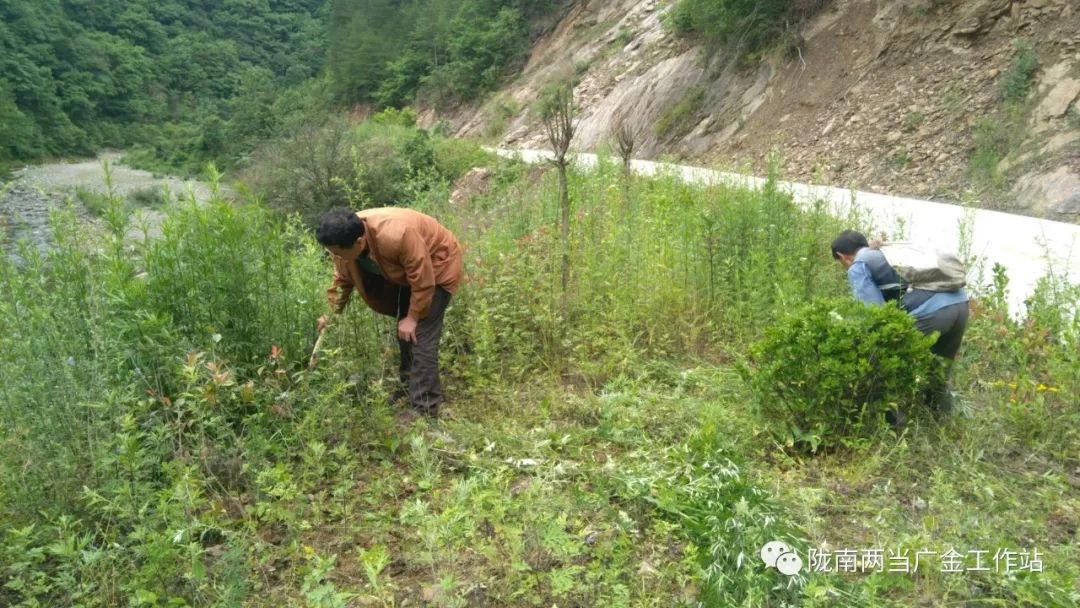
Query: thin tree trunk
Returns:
{"type": "Point", "coordinates": [627, 205]}
{"type": "Point", "coordinates": [564, 226]}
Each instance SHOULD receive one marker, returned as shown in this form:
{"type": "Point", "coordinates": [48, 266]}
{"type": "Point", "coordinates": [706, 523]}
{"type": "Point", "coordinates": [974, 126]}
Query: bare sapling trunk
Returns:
{"type": "Point", "coordinates": [625, 138]}
{"type": "Point", "coordinates": [557, 114]}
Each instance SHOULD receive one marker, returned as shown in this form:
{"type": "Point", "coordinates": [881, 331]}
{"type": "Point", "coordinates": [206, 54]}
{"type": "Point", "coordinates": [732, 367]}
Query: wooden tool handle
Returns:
{"type": "Point", "coordinates": [315, 350]}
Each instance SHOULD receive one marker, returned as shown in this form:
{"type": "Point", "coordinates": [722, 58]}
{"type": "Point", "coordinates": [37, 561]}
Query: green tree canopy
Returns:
{"type": "Point", "coordinates": [82, 74]}
{"type": "Point", "coordinates": [389, 52]}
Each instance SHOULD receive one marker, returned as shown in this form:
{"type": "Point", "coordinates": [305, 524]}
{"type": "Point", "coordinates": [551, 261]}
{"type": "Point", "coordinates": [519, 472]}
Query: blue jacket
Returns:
{"type": "Point", "coordinates": [872, 280]}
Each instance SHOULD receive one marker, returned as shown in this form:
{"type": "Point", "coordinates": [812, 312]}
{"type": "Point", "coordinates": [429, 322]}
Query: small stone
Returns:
{"type": "Point", "coordinates": [1057, 103]}
{"type": "Point", "coordinates": [919, 504]}
{"type": "Point", "coordinates": [1054, 194]}
{"type": "Point", "coordinates": [429, 594]}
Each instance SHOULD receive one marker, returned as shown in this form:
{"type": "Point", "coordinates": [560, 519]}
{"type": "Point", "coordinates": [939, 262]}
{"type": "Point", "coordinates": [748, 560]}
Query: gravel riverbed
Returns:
{"type": "Point", "coordinates": [34, 191]}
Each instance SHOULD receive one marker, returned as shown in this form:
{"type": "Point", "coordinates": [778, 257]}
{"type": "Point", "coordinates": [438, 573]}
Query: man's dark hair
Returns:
{"type": "Point", "coordinates": [339, 227]}
{"type": "Point", "coordinates": [848, 243]}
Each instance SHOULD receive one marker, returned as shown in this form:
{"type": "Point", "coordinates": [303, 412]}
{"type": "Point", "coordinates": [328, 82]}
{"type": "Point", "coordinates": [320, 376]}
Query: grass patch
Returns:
{"type": "Point", "coordinates": [1017, 80]}
{"type": "Point", "coordinates": [912, 121]}
{"type": "Point", "coordinates": [680, 118]}
{"type": "Point", "coordinates": [99, 203]}
{"type": "Point", "coordinates": [996, 137]}
{"type": "Point", "coordinates": [503, 109]}
{"type": "Point", "coordinates": [899, 160]}
{"type": "Point", "coordinates": [1072, 117]}
{"type": "Point", "coordinates": [993, 141]}
{"type": "Point", "coordinates": [95, 202]}
{"type": "Point", "coordinates": [153, 197]}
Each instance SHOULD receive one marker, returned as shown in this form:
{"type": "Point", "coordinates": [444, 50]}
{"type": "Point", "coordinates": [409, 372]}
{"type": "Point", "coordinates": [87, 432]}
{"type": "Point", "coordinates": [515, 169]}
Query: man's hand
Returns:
{"type": "Point", "coordinates": [406, 330]}
{"type": "Point", "coordinates": [323, 322]}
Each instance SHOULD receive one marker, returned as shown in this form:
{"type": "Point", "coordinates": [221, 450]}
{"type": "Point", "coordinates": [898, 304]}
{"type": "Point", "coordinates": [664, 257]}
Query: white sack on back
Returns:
{"type": "Point", "coordinates": [924, 267]}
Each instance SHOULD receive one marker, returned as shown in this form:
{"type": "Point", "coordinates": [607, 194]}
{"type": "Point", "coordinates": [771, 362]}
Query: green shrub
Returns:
{"type": "Point", "coordinates": [502, 110]}
{"type": "Point", "coordinates": [405, 117]}
{"type": "Point", "coordinates": [332, 165]}
{"type": "Point", "coordinates": [390, 156]}
{"type": "Point", "coordinates": [150, 196]}
{"type": "Point", "coordinates": [828, 373]}
{"type": "Point", "coordinates": [1016, 81]}
{"type": "Point", "coordinates": [749, 24]}
{"type": "Point", "coordinates": [380, 162]}
{"type": "Point", "coordinates": [899, 160]}
{"type": "Point", "coordinates": [1073, 117]}
{"type": "Point", "coordinates": [993, 139]}
{"type": "Point", "coordinates": [454, 157]}
{"type": "Point", "coordinates": [912, 121]}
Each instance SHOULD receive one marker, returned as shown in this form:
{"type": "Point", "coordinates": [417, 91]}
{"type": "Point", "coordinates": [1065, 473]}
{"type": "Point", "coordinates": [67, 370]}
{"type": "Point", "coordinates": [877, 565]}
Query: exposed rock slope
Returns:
{"type": "Point", "coordinates": [898, 96]}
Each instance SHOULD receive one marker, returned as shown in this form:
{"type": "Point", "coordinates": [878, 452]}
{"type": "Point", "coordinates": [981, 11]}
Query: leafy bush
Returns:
{"type": "Point", "coordinates": [390, 157]}
{"type": "Point", "coordinates": [150, 196]}
{"type": "Point", "coordinates": [380, 162]}
{"type": "Point", "coordinates": [454, 157]}
{"type": "Point", "coordinates": [405, 117]}
{"type": "Point", "coordinates": [333, 165]}
{"type": "Point", "coordinates": [501, 111]}
{"type": "Point", "coordinates": [829, 372]}
{"type": "Point", "coordinates": [1016, 81]}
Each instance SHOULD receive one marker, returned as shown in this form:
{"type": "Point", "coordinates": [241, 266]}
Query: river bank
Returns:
{"type": "Point", "coordinates": [34, 191]}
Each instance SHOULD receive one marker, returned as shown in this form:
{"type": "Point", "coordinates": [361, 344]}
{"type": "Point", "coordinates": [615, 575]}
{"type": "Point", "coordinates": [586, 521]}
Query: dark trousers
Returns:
{"type": "Point", "coordinates": [420, 361]}
{"type": "Point", "coordinates": [950, 323]}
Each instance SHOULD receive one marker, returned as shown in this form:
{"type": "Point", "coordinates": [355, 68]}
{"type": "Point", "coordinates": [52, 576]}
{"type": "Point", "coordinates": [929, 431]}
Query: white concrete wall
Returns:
{"type": "Point", "coordinates": [1027, 247]}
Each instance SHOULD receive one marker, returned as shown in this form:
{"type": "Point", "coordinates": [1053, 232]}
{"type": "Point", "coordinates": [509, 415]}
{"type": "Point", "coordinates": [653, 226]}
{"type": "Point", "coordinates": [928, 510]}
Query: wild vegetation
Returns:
{"type": "Point", "coordinates": [997, 136]}
{"type": "Point", "coordinates": [178, 84]}
{"type": "Point", "coordinates": [383, 161]}
{"type": "Point", "coordinates": [868, 365]}
{"type": "Point", "coordinates": [164, 444]}
{"type": "Point", "coordinates": [747, 27]}
{"type": "Point", "coordinates": [444, 51]}
{"type": "Point", "coordinates": [186, 81]}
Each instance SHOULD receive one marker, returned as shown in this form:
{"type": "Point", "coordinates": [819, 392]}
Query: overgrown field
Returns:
{"type": "Point", "coordinates": [163, 443]}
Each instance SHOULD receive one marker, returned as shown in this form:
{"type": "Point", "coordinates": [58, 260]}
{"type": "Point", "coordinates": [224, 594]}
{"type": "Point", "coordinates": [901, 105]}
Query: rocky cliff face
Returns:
{"type": "Point", "coordinates": [964, 101]}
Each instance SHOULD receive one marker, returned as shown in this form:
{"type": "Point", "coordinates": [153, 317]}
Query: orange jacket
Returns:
{"type": "Point", "coordinates": [411, 250]}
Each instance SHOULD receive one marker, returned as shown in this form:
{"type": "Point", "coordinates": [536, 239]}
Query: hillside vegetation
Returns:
{"type": "Point", "coordinates": [436, 51]}
{"type": "Point", "coordinates": [187, 80]}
